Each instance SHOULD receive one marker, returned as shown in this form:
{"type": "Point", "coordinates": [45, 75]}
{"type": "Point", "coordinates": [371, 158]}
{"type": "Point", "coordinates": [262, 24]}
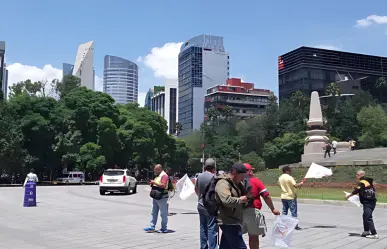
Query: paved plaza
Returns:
{"type": "Point", "coordinates": [78, 217]}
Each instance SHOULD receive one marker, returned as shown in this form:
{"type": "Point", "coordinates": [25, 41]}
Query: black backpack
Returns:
{"type": "Point", "coordinates": [171, 187]}
{"type": "Point", "coordinates": [209, 196]}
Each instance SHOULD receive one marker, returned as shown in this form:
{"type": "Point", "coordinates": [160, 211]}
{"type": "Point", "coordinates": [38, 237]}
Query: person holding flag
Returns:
{"type": "Point", "coordinates": [288, 193]}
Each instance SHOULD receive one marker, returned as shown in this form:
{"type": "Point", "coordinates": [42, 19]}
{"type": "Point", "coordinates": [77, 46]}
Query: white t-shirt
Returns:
{"type": "Point", "coordinates": [32, 177]}
{"type": "Point", "coordinates": [334, 144]}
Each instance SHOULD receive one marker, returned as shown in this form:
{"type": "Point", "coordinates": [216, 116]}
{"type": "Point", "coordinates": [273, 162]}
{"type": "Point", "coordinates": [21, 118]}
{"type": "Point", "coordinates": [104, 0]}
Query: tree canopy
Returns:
{"type": "Point", "coordinates": [83, 130]}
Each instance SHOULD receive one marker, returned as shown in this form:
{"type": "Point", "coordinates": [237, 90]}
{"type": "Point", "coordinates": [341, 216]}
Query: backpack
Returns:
{"type": "Point", "coordinates": [209, 196]}
{"type": "Point", "coordinates": [328, 148]}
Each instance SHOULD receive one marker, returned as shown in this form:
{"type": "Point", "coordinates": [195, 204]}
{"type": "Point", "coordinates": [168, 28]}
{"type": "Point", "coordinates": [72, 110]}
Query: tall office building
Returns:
{"type": "Point", "coordinates": [84, 64]}
{"type": "Point", "coordinates": [165, 103]}
{"type": "Point", "coordinates": [308, 69]}
{"type": "Point", "coordinates": [67, 69]}
{"type": "Point", "coordinates": [148, 99]}
{"type": "Point", "coordinates": [120, 79]}
{"type": "Point", "coordinates": [3, 70]}
{"type": "Point", "coordinates": [203, 63]}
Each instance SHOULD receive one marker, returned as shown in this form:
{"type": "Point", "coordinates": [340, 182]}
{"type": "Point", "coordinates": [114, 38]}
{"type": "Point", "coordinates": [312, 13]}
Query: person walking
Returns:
{"type": "Point", "coordinates": [159, 194]}
{"type": "Point", "coordinates": [288, 193]}
{"type": "Point", "coordinates": [253, 220]}
{"type": "Point", "coordinates": [334, 146]}
{"type": "Point", "coordinates": [230, 196]}
{"type": "Point", "coordinates": [208, 223]}
{"type": "Point", "coordinates": [327, 148]}
{"type": "Point", "coordinates": [367, 195]}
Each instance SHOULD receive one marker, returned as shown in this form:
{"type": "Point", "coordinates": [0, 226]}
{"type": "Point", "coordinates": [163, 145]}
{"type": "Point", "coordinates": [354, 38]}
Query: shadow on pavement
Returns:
{"type": "Point", "coordinates": [354, 234]}
{"type": "Point", "coordinates": [324, 227]}
{"type": "Point", "coordinates": [189, 213]}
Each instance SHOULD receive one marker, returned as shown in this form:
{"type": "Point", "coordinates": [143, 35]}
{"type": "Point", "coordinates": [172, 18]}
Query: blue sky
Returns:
{"type": "Point", "coordinates": [48, 32]}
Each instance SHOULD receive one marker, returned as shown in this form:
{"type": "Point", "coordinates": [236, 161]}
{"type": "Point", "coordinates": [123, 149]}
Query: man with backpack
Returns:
{"type": "Point", "coordinates": [226, 195]}
{"type": "Point", "coordinates": [367, 195]}
{"type": "Point", "coordinates": [171, 189]}
{"type": "Point", "coordinates": [327, 148]}
{"type": "Point", "coordinates": [253, 220]}
{"type": "Point", "coordinates": [208, 223]}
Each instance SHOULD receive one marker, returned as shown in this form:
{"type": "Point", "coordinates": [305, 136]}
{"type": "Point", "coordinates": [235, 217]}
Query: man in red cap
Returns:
{"type": "Point", "coordinates": [253, 219]}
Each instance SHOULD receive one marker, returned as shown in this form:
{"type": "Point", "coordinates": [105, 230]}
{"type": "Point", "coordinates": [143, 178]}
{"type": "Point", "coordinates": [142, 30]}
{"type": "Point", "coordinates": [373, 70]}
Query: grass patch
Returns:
{"type": "Point", "coordinates": [323, 193]}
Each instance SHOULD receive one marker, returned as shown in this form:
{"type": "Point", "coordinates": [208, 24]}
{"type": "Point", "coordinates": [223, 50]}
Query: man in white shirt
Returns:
{"type": "Point", "coordinates": [334, 146]}
{"type": "Point", "coordinates": [31, 177]}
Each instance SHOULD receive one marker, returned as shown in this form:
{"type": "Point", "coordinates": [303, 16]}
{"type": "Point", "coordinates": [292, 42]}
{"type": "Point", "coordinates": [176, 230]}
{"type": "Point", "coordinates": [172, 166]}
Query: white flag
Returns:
{"type": "Point", "coordinates": [318, 171]}
{"type": "Point", "coordinates": [185, 187]}
{"type": "Point", "coordinates": [354, 199]}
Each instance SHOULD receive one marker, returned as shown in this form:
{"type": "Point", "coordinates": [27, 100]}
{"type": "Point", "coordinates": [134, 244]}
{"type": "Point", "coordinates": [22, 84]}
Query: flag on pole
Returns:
{"type": "Point", "coordinates": [185, 187]}
{"type": "Point", "coordinates": [318, 171]}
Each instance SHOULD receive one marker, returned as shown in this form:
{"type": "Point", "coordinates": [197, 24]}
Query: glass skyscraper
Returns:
{"type": "Point", "coordinates": [120, 79]}
{"type": "Point", "coordinates": [203, 63]}
{"type": "Point", "coordinates": [67, 69]}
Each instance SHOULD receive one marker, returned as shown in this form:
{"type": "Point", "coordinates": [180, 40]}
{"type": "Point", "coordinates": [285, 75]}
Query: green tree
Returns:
{"type": "Point", "coordinates": [333, 89]}
{"type": "Point", "coordinates": [373, 121]}
{"type": "Point", "coordinates": [255, 160]}
{"type": "Point", "coordinates": [68, 83]}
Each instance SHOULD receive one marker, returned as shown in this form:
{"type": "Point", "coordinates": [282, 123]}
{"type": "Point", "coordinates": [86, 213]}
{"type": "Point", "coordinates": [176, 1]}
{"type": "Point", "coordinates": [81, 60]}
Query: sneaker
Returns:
{"type": "Point", "coordinates": [365, 233]}
{"type": "Point", "coordinates": [149, 229]}
{"type": "Point", "coordinates": [163, 230]}
{"type": "Point", "coordinates": [298, 228]}
{"type": "Point", "coordinates": [372, 236]}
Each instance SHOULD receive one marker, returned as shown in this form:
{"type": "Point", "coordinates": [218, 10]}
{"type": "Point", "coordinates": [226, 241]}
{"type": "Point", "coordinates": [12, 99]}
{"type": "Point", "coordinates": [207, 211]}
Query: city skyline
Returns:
{"type": "Point", "coordinates": [254, 42]}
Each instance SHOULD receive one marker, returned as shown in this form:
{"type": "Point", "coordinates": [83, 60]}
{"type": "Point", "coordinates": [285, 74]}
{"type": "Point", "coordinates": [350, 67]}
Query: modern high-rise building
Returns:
{"type": "Point", "coordinates": [67, 69]}
{"type": "Point", "coordinates": [165, 103]}
{"type": "Point", "coordinates": [309, 69]}
{"type": "Point", "coordinates": [84, 64]}
{"type": "Point", "coordinates": [3, 70]}
{"type": "Point", "coordinates": [5, 81]}
{"type": "Point", "coordinates": [245, 100]}
{"type": "Point", "coordinates": [203, 62]}
{"type": "Point", "coordinates": [148, 99]}
{"type": "Point", "coordinates": [120, 79]}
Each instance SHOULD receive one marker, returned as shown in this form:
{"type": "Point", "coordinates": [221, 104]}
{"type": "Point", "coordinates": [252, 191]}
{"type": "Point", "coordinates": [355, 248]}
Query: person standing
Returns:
{"type": "Point", "coordinates": [230, 196]}
{"type": "Point", "coordinates": [208, 223]}
{"type": "Point", "coordinates": [288, 193]}
{"type": "Point", "coordinates": [253, 219]}
{"type": "Point", "coordinates": [171, 189]}
{"type": "Point", "coordinates": [367, 195]}
{"type": "Point", "coordinates": [159, 193]}
{"type": "Point", "coordinates": [334, 146]}
{"type": "Point", "coordinates": [31, 177]}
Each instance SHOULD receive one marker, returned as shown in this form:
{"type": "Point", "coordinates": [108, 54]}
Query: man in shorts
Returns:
{"type": "Point", "coordinates": [253, 219]}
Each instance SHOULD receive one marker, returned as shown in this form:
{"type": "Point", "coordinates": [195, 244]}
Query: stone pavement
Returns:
{"type": "Point", "coordinates": [78, 217]}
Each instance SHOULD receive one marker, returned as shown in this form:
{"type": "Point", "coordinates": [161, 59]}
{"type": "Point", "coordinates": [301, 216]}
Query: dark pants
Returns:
{"type": "Point", "coordinates": [368, 222]}
{"type": "Point", "coordinates": [289, 204]}
{"type": "Point", "coordinates": [327, 152]}
{"type": "Point", "coordinates": [334, 151]}
{"type": "Point", "coordinates": [208, 230]}
{"type": "Point", "coordinates": [232, 237]}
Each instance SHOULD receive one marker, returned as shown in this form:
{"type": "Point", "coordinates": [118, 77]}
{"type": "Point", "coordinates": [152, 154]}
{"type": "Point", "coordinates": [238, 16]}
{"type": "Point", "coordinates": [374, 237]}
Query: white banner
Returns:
{"type": "Point", "coordinates": [354, 199]}
{"type": "Point", "coordinates": [318, 171]}
{"type": "Point", "coordinates": [185, 187]}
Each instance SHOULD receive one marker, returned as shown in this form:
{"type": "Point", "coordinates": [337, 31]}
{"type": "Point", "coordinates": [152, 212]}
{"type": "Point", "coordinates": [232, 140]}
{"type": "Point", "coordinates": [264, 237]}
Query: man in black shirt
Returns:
{"type": "Point", "coordinates": [367, 195]}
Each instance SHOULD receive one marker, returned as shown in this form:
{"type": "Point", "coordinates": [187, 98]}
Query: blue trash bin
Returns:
{"type": "Point", "coordinates": [30, 194]}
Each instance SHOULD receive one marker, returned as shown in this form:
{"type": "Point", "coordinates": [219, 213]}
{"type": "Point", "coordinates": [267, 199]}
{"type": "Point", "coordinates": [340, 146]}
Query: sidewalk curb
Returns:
{"type": "Point", "coordinates": [330, 202]}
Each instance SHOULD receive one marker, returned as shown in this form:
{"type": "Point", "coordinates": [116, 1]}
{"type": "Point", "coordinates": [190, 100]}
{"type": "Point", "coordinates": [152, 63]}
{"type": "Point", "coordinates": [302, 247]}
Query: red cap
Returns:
{"type": "Point", "coordinates": [248, 166]}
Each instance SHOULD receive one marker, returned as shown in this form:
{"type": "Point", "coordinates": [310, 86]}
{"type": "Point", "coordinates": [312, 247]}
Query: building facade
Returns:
{"type": "Point", "coordinates": [245, 100]}
{"type": "Point", "coordinates": [3, 71]}
{"type": "Point", "coordinates": [311, 69]}
{"type": "Point", "coordinates": [203, 62]}
{"type": "Point", "coordinates": [84, 64]}
{"type": "Point", "coordinates": [67, 69]}
{"type": "Point", "coordinates": [148, 99]}
{"type": "Point", "coordinates": [120, 79]}
{"type": "Point", "coordinates": [165, 103]}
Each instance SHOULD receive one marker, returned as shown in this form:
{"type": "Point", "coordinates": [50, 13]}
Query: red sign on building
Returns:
{"type": "Point", "coordinates": [280, 63]}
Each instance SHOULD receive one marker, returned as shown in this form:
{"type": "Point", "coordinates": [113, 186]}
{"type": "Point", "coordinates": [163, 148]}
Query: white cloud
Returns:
{"type": "Point", "coordinates": [329, 47]}
{"type": "Point", "coordinates": [98, 84]}
{"type": "Point", "coordinates": [163, 60]}
{"type": "Point", "coordinates": [369, 20]}
{"type": "Point", "coordinates": [18, 72]}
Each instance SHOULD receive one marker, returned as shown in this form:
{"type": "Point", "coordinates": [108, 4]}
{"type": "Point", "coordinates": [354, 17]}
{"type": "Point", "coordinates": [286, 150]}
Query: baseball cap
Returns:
{"type": "Point", "coordinates": [248, 166]}
{"type": "Point", "coordinates": [239, 168]}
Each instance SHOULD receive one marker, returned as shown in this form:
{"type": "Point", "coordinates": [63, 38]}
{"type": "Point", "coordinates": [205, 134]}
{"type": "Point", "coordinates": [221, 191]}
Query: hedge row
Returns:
{"type": "Point", "coordinates": [341, 174]}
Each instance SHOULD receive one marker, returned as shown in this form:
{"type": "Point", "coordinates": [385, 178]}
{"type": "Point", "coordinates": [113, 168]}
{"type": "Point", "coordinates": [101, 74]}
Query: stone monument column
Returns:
{"type": "Point", "coordinates": [316, 135]}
